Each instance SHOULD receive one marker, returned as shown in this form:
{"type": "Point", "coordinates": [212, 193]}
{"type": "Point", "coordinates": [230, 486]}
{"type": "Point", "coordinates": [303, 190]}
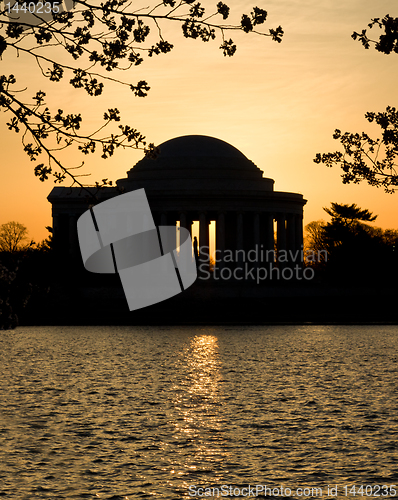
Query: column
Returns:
{"type": "Point", "coordinates": [183, 223]}
{"type": "Point", "coordinates": [239, 235]}
{"type": "Point", "coordinates": [281, 240]}
{"type": "Point", "coordinates": [163, 219]}
{"type": "Point", "coordinates": [256, 238]}
{"type": "Point", "coordinates": [299, 236]}
{"type": "Point", "coordinates": [291, 239]}
{"type": "Point", "coordinates": [204, 242]}
{"type": "Point", "coordinates": [169, 241]}
{"type": "Point", "coordinates": [269, 251]}
{"type": "Point", "coordinates": [73, 239]}
{"type": "Point", "coordinates": [186, 223]}
{"type": "Point", "coordinates": [55, 223]}
{"type": "Point", "coordinates": [183, 220]}
{"type": "Point", "coordinates": [171, 221]}
{"type": "Point", "coordinates": [220, 239]}
{"type": "Point", "coordinates": [56, 231]}
{"type": "Point", "coordinates": [155, 217]}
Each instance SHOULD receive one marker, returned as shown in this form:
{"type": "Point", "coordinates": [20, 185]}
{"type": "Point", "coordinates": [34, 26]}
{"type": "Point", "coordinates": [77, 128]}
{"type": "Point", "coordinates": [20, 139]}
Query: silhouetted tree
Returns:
{"type": "Point", "coordinates": [349, 215]}
{"type": "Point", "coordinates": [315, 250]}
{"type": "Point", "coordinates": [314, 237]}
{"type": "Point", "coordinates": [347, 226]}
{"type": "Point", "coordinates": [364, 158]}
{"type": "Point", "coordinates": [8, 317]}
{"type": "Point", "coordinates": [26, 274]}
{"type": "Point", "coordinates": [357, 252]}
{"type": "Point", "coordinates": [13, 237]}
{"type": "Point", "coordinates": [98, 39]}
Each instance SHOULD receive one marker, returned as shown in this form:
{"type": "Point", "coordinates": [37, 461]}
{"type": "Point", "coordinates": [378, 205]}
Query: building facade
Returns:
{"type": "Point", "coordinates": [203, 179]}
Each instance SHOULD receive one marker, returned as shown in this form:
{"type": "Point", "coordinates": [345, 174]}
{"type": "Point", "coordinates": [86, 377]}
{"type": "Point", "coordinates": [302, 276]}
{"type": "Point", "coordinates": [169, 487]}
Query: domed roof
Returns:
{"type": "Point", "coordinates": [198, 146]}
{"type": "Point", "coordinates": [195, 162]}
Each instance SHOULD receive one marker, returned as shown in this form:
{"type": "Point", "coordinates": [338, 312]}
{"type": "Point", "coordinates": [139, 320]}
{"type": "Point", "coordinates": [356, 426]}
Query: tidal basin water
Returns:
{"type": "Point", "coordinates": [159, 412]}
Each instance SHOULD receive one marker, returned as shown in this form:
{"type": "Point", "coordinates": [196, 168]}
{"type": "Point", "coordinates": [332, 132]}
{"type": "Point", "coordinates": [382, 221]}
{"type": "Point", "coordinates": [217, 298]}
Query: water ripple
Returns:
{"type": "Point", "coordinates": [123, 412]}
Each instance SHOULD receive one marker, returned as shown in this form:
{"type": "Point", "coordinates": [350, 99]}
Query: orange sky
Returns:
{"type": "Point", "coordinates": [278, 103]}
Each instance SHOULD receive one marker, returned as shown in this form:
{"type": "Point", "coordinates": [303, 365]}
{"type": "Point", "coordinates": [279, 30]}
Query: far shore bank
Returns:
{"type": "Point", "coordinates": [217, 303]}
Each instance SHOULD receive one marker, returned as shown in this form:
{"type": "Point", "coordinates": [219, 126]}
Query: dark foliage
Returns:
{"type": "Point", "coordinates": [364, 158]}
{"type": "Point", "coordinates": [25, 275]}
{"type": "Point", "coordinates": [388, 40]}
{"type": "Point", "coordinates": [367, 159]}
{"type": "Point", "coordinates": [357, 253]}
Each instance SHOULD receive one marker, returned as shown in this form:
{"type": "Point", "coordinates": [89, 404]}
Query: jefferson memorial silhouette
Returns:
{"type": "Point", "coordinates": [197, 178]}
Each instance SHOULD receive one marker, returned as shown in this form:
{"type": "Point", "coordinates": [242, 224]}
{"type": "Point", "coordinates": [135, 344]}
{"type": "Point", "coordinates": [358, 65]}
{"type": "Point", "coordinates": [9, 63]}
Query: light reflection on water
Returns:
{"type": "Point", "coordinates": [196, 412]}
{"type": "Point", "coordinates": [123, 412]}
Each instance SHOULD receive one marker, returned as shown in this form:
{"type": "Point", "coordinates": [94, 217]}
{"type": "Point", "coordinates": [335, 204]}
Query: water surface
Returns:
{"type": "Point", "coordinates": [147, 412]}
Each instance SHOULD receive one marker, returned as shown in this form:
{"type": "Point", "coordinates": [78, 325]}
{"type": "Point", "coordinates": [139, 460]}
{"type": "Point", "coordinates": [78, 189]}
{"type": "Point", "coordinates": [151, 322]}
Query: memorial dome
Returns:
{"type": "Point", "coordinates": [200, 160]}
{"type": "Point", "coordinates": [199, 146]}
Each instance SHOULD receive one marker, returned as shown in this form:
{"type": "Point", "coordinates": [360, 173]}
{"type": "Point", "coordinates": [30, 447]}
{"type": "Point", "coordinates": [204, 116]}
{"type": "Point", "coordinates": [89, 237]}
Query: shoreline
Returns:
{"type": "Point", "coordinates": [217, 305]}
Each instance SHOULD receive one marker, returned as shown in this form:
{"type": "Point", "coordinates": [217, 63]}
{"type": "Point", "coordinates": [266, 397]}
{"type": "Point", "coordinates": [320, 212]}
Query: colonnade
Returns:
{"type": "Point", "coordinates": [242, 231]}
{"type": "Point", "coordinates": [238, 232]}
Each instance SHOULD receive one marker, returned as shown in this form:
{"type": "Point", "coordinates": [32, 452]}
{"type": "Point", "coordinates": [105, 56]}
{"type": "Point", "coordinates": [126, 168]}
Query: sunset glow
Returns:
{"type": "Point", "coordinates": [277, 103]}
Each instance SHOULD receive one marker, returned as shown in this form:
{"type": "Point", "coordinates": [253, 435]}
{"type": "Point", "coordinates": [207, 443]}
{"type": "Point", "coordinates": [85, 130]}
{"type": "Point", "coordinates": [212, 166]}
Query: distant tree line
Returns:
{"type": "Point", "coordinates": [26, 270]}
{"type": "Point", "coordinates": [357, 253]}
